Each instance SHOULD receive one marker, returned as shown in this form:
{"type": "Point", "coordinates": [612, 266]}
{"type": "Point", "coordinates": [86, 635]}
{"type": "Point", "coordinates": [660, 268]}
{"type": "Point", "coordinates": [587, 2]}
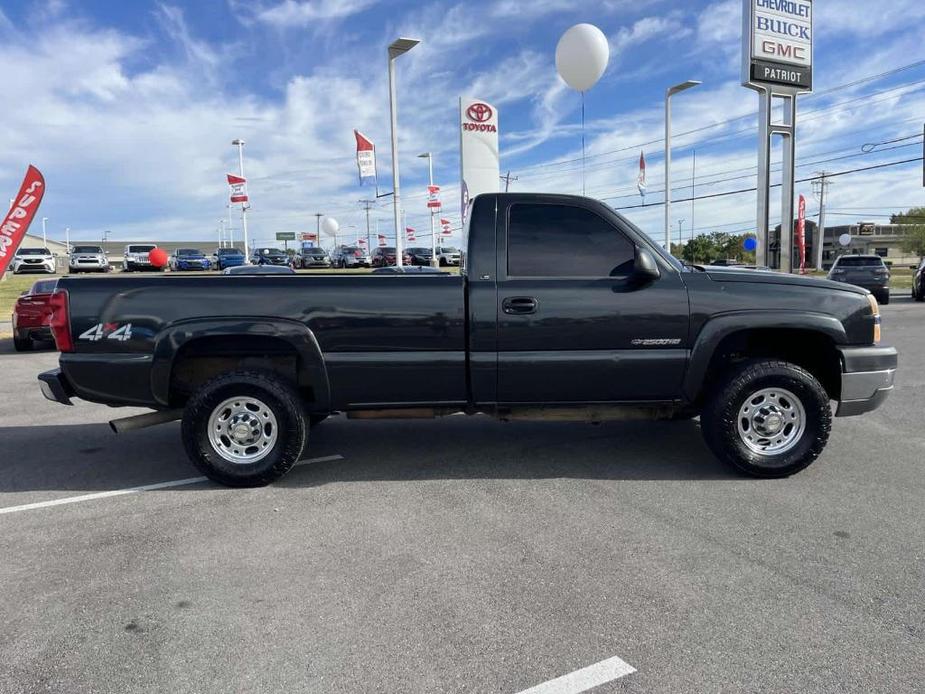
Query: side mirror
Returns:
{"type": "Point", "coordinates": [645, 269]}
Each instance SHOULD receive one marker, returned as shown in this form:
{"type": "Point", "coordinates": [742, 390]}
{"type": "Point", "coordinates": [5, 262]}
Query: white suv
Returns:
{"type": "Point", "coordinates": [447, 256]}
{"type": "Point", "coordinates": [33, 260]}
{"type": "Point", "coordinates": [136, 257]}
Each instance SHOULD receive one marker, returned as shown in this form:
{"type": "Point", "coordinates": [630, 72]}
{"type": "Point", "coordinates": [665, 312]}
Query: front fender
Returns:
{"type": "Point", "coordinates": [716, 329]}
{"type": "Point", "coordinates": [312, 370]}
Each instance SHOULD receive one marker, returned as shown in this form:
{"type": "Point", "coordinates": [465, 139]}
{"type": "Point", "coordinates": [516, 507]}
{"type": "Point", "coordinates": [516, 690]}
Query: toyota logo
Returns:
{"type": "Point", "coordinates": [479, 112]}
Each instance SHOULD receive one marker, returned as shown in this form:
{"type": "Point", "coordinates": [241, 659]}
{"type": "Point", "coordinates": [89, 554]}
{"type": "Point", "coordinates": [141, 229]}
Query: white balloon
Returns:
{"type": "Point", "coordinates": [329, 226]}
{"type": "Point", "coordinates": [845, 239]}
{"type": "Point", "coordinates": [582, 56]}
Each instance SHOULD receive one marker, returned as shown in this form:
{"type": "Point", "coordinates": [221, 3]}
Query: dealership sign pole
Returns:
{"type": "Point", "coordinates": [777, 62]}
{"type": "Point", "coordinates": [22, 212]}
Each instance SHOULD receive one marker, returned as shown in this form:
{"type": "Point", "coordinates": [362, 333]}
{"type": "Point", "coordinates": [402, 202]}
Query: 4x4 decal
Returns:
{"type": "Point", "coordinates": [108, 331]}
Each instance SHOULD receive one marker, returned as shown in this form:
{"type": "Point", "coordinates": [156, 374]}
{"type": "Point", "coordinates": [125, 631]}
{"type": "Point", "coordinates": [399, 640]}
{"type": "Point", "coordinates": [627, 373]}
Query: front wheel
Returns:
{"type": "Point", "coordinates": [768, 419]}
{"type": "Point", "coordinates": [884, 297]}
{"type": "Point", "coordinates": [244, 428]}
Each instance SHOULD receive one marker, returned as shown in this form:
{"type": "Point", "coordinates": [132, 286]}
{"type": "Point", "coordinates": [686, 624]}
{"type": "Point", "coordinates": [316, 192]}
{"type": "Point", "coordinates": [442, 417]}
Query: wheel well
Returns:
{"type": "Point", "coordinates": [204, 358]}
{"type": "Point", "coordinates": [808, 349]}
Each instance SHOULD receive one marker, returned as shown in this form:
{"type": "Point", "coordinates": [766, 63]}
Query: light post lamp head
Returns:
{"type": "Point", "coordinates": [401, 45]}
{"type": "Point", "coordinates": [684, 86]}
{"type": "Point", "coordinates": [425, 155]}
{"type": "Point", "coordinates": [237, 142]}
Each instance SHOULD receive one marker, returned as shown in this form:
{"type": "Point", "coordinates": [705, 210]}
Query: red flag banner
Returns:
{"type": "Point", "coordinates": [433, 197]}
{"type": "Point", "coordinates": [382, 241]}
{"type": "Point", "coordinates": [801, 235]}
{"type": "Point", "coordinates": [238, 188]}
{"type": "Point", "coordinates": [17, 220]}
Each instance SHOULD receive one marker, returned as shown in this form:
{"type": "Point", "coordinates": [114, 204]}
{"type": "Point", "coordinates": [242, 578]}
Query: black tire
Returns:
{"type": "Point", "coordinates": [884, 298]}
{"type": "Point", "coordinates": [918, 295]}
{"type": "Point", "coordinates": [278, 396]}
{"type": "Point", "coordinates": [720, 425]}
{"type": "Point", "coordinates": [22, 344]}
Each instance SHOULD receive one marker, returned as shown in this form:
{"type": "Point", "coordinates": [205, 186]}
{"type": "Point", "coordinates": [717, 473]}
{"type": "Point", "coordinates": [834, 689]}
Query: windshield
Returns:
{"type": "Point", "coordinates": [229, 251]}
{"type": "Point", "coordinates": [447, 249]}
{"type": "Point", "coordinates": [387, 249]}
{"type": "Point", "coordinates": [33, 251]}
{"type": "Point", "coordinates": [141, 249]}
{"type": "Point", "coordinates": [189, 251]}
{"type": "Point", "coordinates": [87, 249]}
{"type": "Point", "coordinates": [44, 287]}
{"type": "Point", "coordinates": [859, 262]}
{"type": "Point", "coordinates": [418, 251]}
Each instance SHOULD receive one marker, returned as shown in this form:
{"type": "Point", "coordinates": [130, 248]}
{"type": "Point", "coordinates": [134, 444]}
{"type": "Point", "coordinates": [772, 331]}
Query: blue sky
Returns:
{"type": "Point", "coordinates": [129, 108]}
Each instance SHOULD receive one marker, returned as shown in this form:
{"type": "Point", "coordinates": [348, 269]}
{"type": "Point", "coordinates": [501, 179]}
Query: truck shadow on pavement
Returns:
{"type": "Point", "coordinates": [89, 457]}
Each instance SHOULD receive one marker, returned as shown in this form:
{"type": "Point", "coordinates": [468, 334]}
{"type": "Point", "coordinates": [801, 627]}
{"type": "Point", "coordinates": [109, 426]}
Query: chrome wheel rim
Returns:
{"type": "Point", "coordinates": [242, 430]}
{"type": "Point", "coordinates": [771, 421]}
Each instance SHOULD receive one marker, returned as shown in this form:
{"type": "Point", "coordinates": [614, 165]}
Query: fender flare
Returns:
{"type": "Point", "coordinates": [716, 329]}
{"type": "Point", "coordinates": [312, 369]}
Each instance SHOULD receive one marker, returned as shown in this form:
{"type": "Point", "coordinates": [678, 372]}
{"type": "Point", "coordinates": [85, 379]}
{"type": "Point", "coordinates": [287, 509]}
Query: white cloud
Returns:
{"type": "Point", "coordinates": [296, 13]}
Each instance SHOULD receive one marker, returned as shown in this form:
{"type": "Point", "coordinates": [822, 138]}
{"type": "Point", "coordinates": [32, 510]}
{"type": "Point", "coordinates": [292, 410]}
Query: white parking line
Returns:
{"type": "Point", "coordinates": [584, 679]}
{"type": "Point", "coordinates": [135, 490]}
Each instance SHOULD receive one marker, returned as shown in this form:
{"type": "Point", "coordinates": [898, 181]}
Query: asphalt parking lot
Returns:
{"type": "Point", "coordinates": [462, 555]}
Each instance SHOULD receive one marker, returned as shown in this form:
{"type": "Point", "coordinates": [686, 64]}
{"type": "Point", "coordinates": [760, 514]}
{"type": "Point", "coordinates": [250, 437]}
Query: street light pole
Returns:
{"type": "Point", "coordinates": [239, 143]}
{"type": "Point", "coordinates": [67, 239]}
{"type": "Point", "coordinates": [44, 235]}
{"type": "Point", "coordinates": [680, 234]}
{"type": "Point", "coordinates": [396, 48]}
{"type": "Point", "coordinates": [433, 233]}
{"type": "Point", "coordinates": [684, 86]}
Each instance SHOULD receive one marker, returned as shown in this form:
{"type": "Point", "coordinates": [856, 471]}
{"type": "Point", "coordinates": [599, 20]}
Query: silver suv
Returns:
{"type": "Point", "coordinates": [87, 259]}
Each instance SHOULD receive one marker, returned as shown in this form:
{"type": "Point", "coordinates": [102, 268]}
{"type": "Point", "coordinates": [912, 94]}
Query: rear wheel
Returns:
{"type": "Point", "coordinates": [918, 295]}
{"type": "Point", "coordinates": [22, 343]}
{"type": "Point", "coordinates": [768, 419]}
{"type": "Point", "coordinates": [884, 297]}
{"type": "Point", "coordinates": [244, 428]}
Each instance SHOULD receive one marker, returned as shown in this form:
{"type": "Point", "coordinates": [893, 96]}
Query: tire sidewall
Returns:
{"type": "Point", "coordinates": [292, 432]}
{"type": "Point", "coordinates": [721, 428]}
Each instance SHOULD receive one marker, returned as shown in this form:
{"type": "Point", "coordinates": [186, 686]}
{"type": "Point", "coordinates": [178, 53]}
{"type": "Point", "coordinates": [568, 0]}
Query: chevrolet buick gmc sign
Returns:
{"type": "Point", "coordinates": [778, 43]}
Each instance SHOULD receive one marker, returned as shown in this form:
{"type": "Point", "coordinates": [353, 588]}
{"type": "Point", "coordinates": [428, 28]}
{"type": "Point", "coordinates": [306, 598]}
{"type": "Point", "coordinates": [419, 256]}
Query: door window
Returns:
{"type": "Point", "coordinates": [565, 241]}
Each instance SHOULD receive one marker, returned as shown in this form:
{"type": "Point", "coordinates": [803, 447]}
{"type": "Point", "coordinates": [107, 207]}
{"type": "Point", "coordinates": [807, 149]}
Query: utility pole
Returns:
{"type": "Point", "coordinates": [507, 178]}
{"type": "Point", "coordinates": [680, 234]}
{"type": "Point", "coordinates": [693, 190]}
{"type": "Point", "coordinates": [820, 189]}
{"type": "Point", "coordinates": [367, 204]}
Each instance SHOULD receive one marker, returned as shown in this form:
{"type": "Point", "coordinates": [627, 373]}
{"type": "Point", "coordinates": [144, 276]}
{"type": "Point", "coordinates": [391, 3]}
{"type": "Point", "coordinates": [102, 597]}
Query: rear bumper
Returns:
{"type": "Point", "coordinates": [55, 387]}
{"type": "Point", "coordinates": [867, 378]}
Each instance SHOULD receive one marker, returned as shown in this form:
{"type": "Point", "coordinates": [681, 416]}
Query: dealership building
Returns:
{"type": "Point", "coordinates": [867, 238]}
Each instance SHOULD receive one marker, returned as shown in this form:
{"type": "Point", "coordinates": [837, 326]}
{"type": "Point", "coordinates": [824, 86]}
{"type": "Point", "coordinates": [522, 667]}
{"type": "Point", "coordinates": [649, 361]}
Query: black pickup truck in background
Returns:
{"type": "Point", "coordinates": [562, 310]}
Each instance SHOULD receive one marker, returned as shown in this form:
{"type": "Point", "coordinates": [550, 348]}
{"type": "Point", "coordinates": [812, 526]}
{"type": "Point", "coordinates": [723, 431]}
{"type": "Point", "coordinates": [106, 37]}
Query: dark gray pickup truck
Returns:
{"type": "Point", "coordinates": [562, 310]}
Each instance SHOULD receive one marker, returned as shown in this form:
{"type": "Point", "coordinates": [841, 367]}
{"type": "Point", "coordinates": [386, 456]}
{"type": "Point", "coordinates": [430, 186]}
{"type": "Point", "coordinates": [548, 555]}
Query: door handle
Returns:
{"type": "Point", "coordinates": [519, 305]}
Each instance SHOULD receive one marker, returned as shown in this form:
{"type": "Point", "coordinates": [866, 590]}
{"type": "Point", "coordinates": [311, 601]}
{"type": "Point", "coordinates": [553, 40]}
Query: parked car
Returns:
{"type": "Point", "coordinates": [447, 255]}
{"type": "Point", "coordinates": [33, 260]}
{"type": "Point", "coordinates": [135, 257]}
{"type": "Point", "coordinates": [420, 255]}
{"type": "Point", "coordinates": [227, 257]}
{"type": "Point", "coordinates": [408, 270]}
{"type": "Point", "coordinates": [867, 271]}
{"type": "Point", "coordinates": [918, 283]}
{"type": "Point", "coordinates": [384, 256]}
{"type": "Point", "coordinates": [31, 315]}
{"type": "Point", "coordinates": [258, 270]}
{"type": "Point", "coordinates": [270, 256]}
{"type": "Point", "coordinates": [349, 256]}
{"type": "Point", "coordinates": [313, 257]}
{"type": "Point", "coordinates": [566, 310]}
{"type": "Point", "coordinates": [189, 259]}
{"type": "Point", "coordinates": [87, 259]}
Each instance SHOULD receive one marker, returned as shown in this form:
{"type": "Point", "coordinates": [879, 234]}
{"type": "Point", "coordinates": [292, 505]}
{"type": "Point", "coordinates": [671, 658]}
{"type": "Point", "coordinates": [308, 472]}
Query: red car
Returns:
{"type": "Point", "coordinates": [31, 315]}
